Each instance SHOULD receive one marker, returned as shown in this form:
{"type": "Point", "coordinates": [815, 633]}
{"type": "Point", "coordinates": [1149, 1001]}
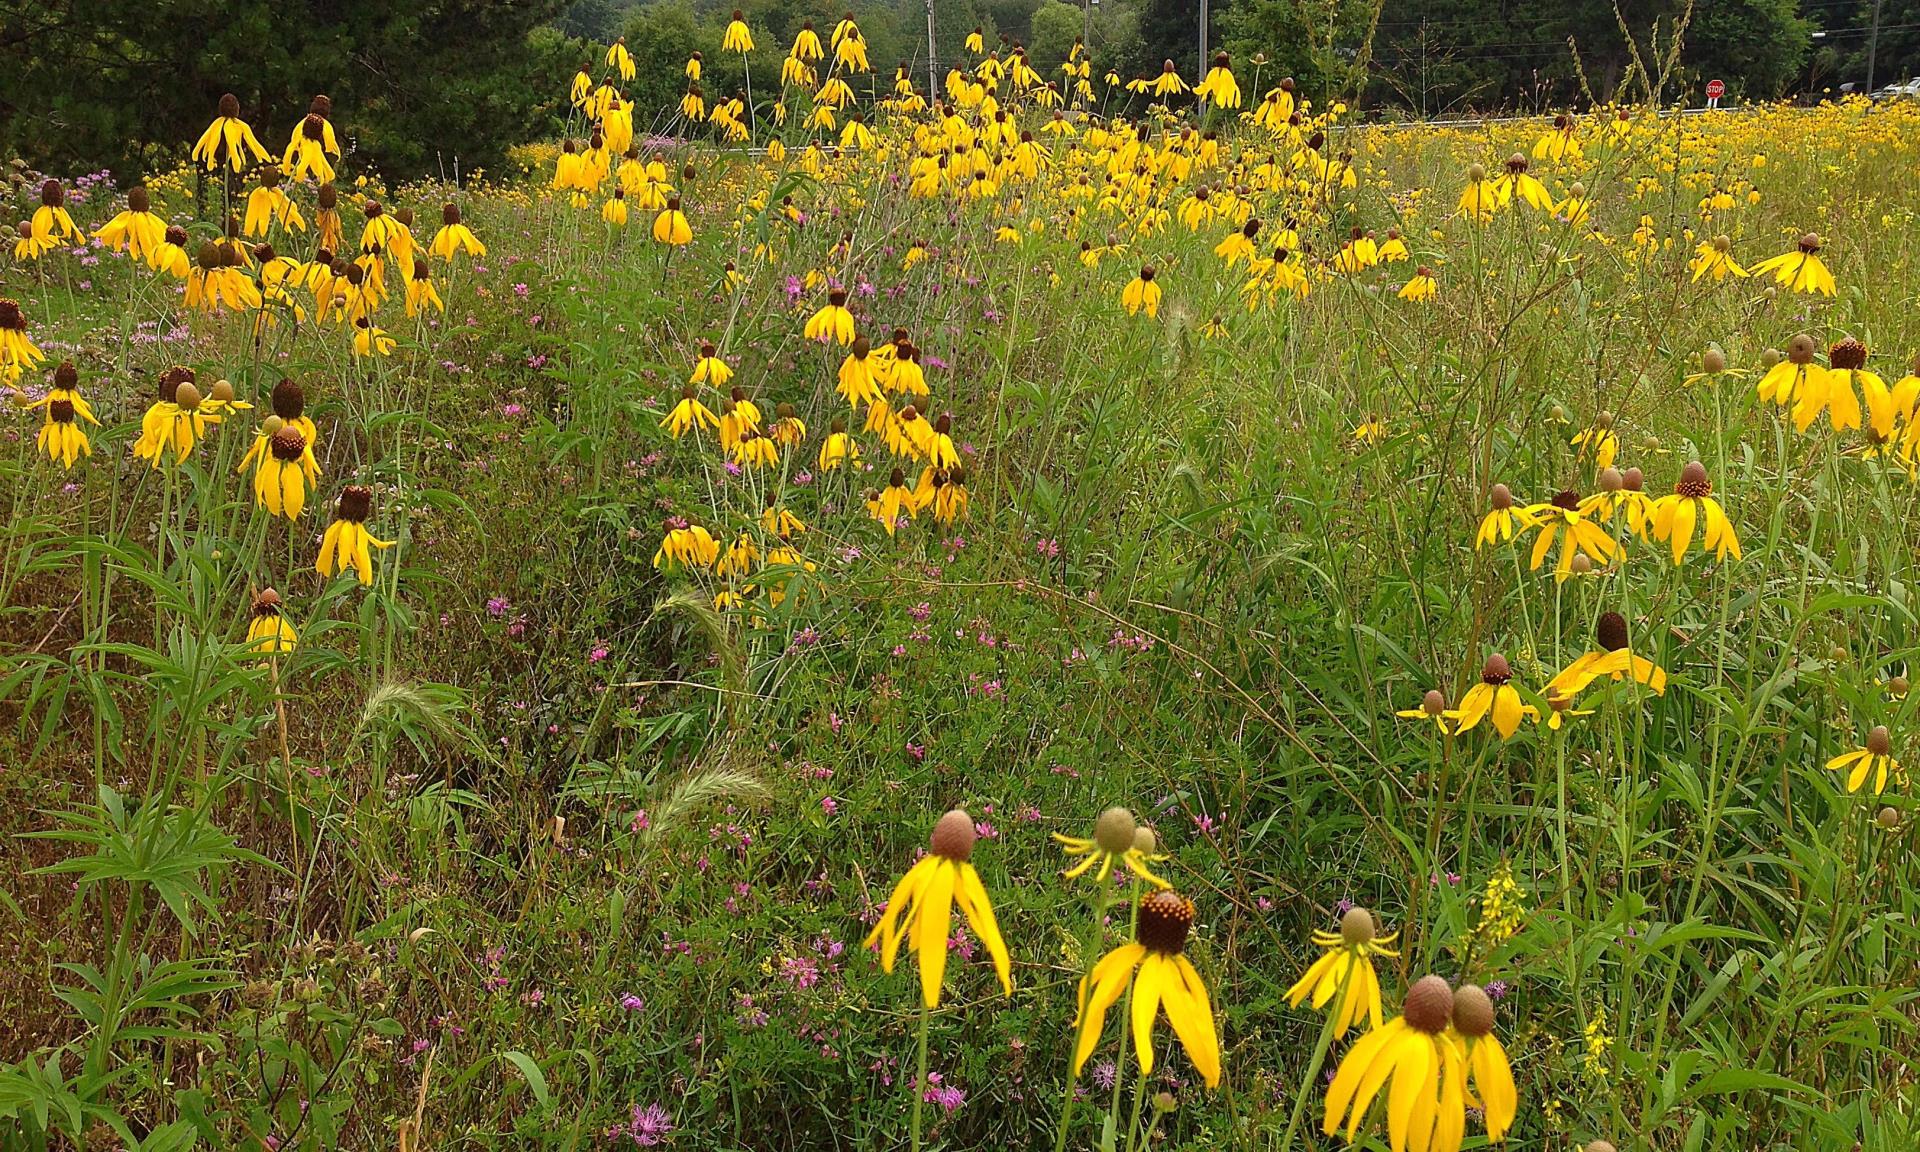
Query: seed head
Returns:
{"type": "Point", "coordinates": [1713, 360]}
{"type": "Point", "coordinates": [1847, 355]}
{"type": "Point", "coordinates": [266, 603]}
{"type": "Point", "coordinates": [287, 444]}
{"type": "Point", "coordinates": [1610, 479]}
{"type": "Point", "coordinates": [66, 376]}
{"type": "Point", "coordinates": [1496, 671]}
{"type": "Point", "coordinates": [1476, 173]}
{"type": "Point", "coordinates": [1810, 243]}
{"type": "Point", "coordinates": [1472, 1011]}
{"type": "Point", "coordinates": [1693, 481]}
{"type": "Point", "coordinates": [1165, 919]}
{"type": "Point", "coordinates": [1502, 497]}
{"type": "Point", "coordinates": [1356, 927]}
{"type": "Point", "coordinates": [1429, 1005]}
{"type": "Point", "coordinates": [187, 396]}
{"type": "Point", "coordinates": [1600, 1146]}
{"type": "Point", "coordinates": [1898, 687]}
{"type": "Point", "coordinates": [1434, 702]}
{"type": "Point", "coordinates": [1800, 349]}
{"type": "Point", "coordinates": [1114, 830]}
{"type": "Point", "coordinates": [222, 391]}
{"type": "Point", "coordinates": [1567, 500]}
{"type": "Point", "coordinates": [953, 836]}
{"type": "Point", "coordinates": [137, 199]}
{"type": "Point", "coordinates": [271, 426]}
{"type": "Point", "coordinates": [1888, 817]}
{"type": "Point", "coordinates": [1580, 565]}
{"type": "Point", "coordinates": [1634, 479]}
{"type": "Point", "coordinates": [1610, 631]}
{"type": "Point", "coordinates": [229, 106]}
{"type": "Point", "coordinates": [1144, 841]}
{"type": "Point", "coordinates": [1880, 741]}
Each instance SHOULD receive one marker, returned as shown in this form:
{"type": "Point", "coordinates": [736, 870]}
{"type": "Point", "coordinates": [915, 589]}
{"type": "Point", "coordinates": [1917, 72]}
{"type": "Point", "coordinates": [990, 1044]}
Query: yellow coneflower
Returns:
{"type": "Point", "coordinates": [1874, 758]}
{"type": "Point", "coordinates": [920, 909]}
{"type": "Point", "coordinates": [1486, 1062]}
{"type": "Point", "coordinates": [1238, 246]}
{"type": "Point", "coordinates": [614, 212]}
{"type": "Point", "coordinates": [312, 142]}
{"type": "Point", "coordinates": [1691, 503]}
{"type": "Point", "coordinates": [1561, 518]}
{"type": "Point", "coordinates": [1846, 384]}
{"type": "Point", "coordinates": [1346, 969]}
{"type": "Point", "coordinates": [1801, 270]}
{"type": "Point", "coordinates": [1560, 143]}
{"type": "Point", "coordinates": [710, 369]}
{"type": "Point", "coordinates": [348, 543]}
{"type": "Point", "coordinates": [1393, 249]}
{"type": "Point", "coordinates": [689, 413]}
{"type": "Point", "coordinates": [370, 339]}
{"type": "Point", "coordinates": [228, 140]}
{"type": "Point", "coordinates": [178, 419]}
{"type": "Point", "coordinates": [284, 470]}
{"type": "Point", "coordinates": [893, 504]}
{"type": "Point", "coordinates": [1218, 86]}
{"type": "Point", "coordinates": [787, 429]}
{"type": "Point", "coordinates": [137, 229]}
{"type": "Point", "coordinates": [833, 321]}
{"type": "Point", "coordinates": [778, 521]}
{"type": "Point", "coordinates": [670, 227]}
{"type": "Point", "coordinates": [61, 437]}
{"type": "Point", "coordinates": [1422, 287]}
{"type": "Point", "coordinates": [269, 633]}
{"type": "Point", "coordinates": [738, 37]}
{"type": "Point", "coordinates": [1426, 1104]}
{"type": "Point", "coordinates": [421, 293]}
{"type": "Point", "coordinates": [1432, 710]}
{"type": "Point", "coordinates": [17, 350]}
{"type": "Point", "coordinates": [1796, 376]}
{"type": "Point", "coordinates": [621, 60]}
{"type": "Point", "coordinates": [1117, 840]}
{"type": "Point", "coordinates": [856, 382]}
{"type": "Point", "coordinates": [1479, 198]}
{"type": "Point", "coordinates": [1370, 431]}
{"type": "Point", "coordinates": [732, 426]}
{"type": "Point", "coordinates": [1142, 293]}
{"type": "Point", "coordinates": [1613, 659]}
{"type": "Point", "coordinates": [455, 236]}
{"type": "Point", "coordinates": [951, 502]}
{"type": "Point", "coordinates": [1162, 977]}
{"type": "Point", "coordinates": [755, 450]}
{"type": "Point", "coordinates": [1715, 258]}
{"type": "Point", "coordinates": [686, 545]}
{"type": "Point", "coordinates": [1169, 82]}
{"type": "Point", "coordinates": [51, 222]}
{"type": "Point", "coordinates": [1599, 442]}
{"type": "Point", "coordinates": [326, 219]}
{"type": "Point", "coordinates": [269, 204]}
{"type": "Point", "coordinates": [1494, 697]}
{"type": "Point", "coordinates": [838, 448]}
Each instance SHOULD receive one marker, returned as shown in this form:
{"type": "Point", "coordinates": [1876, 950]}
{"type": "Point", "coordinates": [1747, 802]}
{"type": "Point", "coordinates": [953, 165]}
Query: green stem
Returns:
{"type": "Point", "coordinates": [920, 1077]}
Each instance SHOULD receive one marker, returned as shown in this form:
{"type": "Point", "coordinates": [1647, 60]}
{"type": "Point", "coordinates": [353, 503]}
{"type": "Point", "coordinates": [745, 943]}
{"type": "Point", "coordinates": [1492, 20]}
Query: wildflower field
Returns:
{"type": "Point", "coordinates": [1073, 614]}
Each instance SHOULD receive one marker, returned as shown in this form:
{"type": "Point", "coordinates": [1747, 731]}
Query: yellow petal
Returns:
{"type": "Point", "coordinates": [930, 929]}
{"type": "Point", "coordinates": [1146, 1002]}
{"type": "Point", "coordinates": [979, 912]}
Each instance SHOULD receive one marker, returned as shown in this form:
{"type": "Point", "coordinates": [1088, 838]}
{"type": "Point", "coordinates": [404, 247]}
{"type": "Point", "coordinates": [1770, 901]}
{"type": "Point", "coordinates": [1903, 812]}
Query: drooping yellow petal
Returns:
{"type": "Point", "coordinates": [930, 928]}
{"type": "Point", "coordinates": [1146, 1002]}
{"type": "Point", "coordinates": [1494, 1077]}
{"type": "Point", "coordinates": [1098, 991]}
{"type": "Point", "coordinates": [1191, 1013]}
{"type": "Point", "coordinates": [1355, 1072]}
{"type": "Point", "coordinates": [979, 913]}
{"type": "Point", "coordinates": [1412, 1079]}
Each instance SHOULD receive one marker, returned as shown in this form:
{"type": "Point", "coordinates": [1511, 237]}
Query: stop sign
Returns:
{"type": "Point", "coordinates": [1716, 89]}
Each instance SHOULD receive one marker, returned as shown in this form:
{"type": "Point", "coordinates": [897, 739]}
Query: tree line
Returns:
{"type": "Point", "coordinates": [420, 86]}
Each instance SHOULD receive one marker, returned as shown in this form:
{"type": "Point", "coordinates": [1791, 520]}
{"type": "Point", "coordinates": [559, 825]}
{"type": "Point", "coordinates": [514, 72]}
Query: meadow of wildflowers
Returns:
{"type": "Point", "coordinates": [1067, 611]}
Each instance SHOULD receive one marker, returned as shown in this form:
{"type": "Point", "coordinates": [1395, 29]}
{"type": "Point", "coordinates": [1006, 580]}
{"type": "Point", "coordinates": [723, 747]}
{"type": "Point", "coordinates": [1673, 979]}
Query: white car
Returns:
{"type": "Point", "coordinates": [1910, 90]}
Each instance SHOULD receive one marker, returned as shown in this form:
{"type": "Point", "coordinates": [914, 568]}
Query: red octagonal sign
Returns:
{"type": "Point", "coordinates": [1716, 89]}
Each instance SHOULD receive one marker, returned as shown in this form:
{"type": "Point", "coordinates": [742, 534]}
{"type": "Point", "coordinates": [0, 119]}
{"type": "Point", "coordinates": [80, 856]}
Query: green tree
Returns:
{"type": "Point", "coordinates": [417, 85]}
{"type": "Point", "coordinates": [1051, 32]}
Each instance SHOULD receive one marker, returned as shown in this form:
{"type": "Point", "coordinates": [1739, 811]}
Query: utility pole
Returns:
{"type": "Point", "coordinates": [1203, 42]}
{"type": "Point", "coordinates": [933, 80]}
{"type": "Point", "coordinates": [1873, 47]}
